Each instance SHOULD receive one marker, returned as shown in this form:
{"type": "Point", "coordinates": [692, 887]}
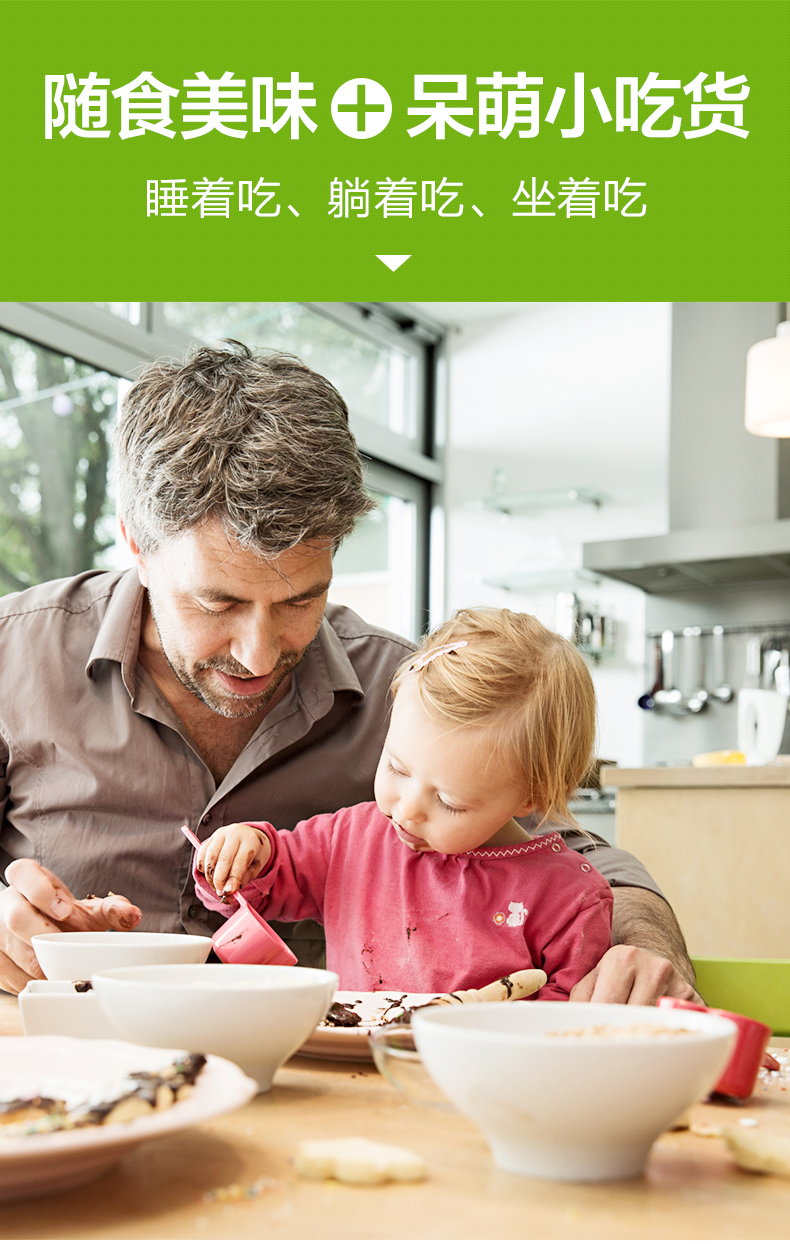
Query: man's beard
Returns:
{"type": "Point", "coordinates": [226, 704]}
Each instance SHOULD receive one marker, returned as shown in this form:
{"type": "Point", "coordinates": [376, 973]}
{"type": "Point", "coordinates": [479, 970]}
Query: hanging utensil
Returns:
{"type": "Point", "coordinates": [692, 642]}
{"type": "Point", "coordinates": [670, 699]}
{"type": "Point", "coordinates": [721, 691]}
{"type": "Point", "coordinates": [647, 701]}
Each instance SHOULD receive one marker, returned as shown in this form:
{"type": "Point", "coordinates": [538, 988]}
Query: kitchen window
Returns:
{"type": "Point", "coordinates": [56, 507]}
{"type": "Point", "coordinates": [65, 366]}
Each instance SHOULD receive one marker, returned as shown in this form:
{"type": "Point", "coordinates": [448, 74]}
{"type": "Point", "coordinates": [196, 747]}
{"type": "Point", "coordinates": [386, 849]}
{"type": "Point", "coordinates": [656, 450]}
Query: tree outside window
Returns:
{"type": "Point", "coordinates": [56, 514]}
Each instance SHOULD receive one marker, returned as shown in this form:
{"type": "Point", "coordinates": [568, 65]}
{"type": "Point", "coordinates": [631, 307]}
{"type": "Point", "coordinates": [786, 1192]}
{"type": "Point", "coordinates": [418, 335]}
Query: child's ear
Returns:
{"type": "Point", "coordinates": [525, 808]}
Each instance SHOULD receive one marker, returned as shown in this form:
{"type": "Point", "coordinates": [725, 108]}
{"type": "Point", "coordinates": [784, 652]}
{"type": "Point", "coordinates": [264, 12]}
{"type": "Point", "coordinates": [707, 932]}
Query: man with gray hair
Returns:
{"type": "Point", "coordinates": [213, 680]}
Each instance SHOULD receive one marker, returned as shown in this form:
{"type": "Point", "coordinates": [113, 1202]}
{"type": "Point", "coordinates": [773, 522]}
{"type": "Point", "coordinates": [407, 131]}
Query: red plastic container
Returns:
{"type": "Point", "coordinates": [740, 1074]}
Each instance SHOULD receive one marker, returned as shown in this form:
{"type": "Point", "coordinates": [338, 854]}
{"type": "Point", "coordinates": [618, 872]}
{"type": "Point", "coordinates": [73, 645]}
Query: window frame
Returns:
{"type": "Point", "coordinates": [387, 479]}
{"type": "Point", "coordinates": [409, 468]}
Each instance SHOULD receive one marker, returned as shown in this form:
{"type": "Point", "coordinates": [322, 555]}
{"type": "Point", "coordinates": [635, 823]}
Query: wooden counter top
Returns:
{"type": "Point", "coordinates": [691, 1188]}
{"type": "Point", "coordinates": [715, 776]}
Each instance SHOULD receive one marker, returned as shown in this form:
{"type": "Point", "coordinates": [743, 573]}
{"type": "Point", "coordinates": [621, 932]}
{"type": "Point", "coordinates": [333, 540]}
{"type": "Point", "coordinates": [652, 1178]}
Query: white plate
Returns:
{"type": "Point", "coordinates": [30, 1165]}
{"type": "Point", "coordinates": [351, 1044]}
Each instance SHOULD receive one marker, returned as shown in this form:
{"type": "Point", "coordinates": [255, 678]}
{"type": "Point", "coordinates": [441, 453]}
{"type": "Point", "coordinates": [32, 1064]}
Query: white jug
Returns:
{"type": "Point", "coordinates": [761, 722]}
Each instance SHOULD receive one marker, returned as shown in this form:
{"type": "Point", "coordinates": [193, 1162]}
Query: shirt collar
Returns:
{"type": "Point", "coordinates": [118, 636]}
{"type": "Point", "coordinates": [324, 670]}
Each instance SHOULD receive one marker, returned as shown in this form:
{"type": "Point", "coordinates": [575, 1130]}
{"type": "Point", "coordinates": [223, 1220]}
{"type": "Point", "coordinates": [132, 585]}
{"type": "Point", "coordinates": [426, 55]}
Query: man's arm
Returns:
{"type": "Point", "coordinates": [648, 959]}
{"type": "Point", "coordinates": [643, 919]}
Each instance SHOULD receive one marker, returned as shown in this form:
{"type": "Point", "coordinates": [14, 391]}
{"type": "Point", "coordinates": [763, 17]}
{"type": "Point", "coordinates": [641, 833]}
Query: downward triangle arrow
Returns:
{"type": "Point", "coordinates": [393, 262]}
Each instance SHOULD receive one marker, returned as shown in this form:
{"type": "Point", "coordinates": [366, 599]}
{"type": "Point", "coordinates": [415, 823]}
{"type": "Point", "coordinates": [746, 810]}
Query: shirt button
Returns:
{"type": "Point", "coordinates": [206, 820]}
{"type": "Point", "coordinates": [193, 912]}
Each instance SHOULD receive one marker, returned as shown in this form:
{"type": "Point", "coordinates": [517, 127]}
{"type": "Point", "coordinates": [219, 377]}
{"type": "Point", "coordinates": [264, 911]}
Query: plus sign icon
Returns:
{"type": "Point", "coordinates": [361, 108]}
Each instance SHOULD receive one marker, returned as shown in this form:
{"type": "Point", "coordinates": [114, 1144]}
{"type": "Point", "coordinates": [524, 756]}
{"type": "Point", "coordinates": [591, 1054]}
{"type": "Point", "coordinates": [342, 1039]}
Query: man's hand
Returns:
{"type": "Point", "coordinates": [630, 974]}
{"type": "Point", "coordinates": [38, 902]}
{"type": "Point", "coordinates": [649, 958]}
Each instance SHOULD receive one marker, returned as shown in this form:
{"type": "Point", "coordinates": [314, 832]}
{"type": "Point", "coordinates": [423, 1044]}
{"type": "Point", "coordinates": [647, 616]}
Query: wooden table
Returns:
{"type": "Point", "coordinates": [691, 1188]}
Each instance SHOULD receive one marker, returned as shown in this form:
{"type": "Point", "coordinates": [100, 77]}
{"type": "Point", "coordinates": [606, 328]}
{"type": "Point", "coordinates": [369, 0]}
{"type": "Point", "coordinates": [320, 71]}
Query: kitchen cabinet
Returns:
{"type": "Point", "coordinates": [717, 841]}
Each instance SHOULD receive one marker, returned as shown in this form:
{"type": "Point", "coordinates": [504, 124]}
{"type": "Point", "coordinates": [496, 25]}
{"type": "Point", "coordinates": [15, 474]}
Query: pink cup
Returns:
{"type": "Point", "coordinates": [245, 937]}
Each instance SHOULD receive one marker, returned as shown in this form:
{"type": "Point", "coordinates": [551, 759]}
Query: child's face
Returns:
{"type": "Point", "coordinates": [440, 786]}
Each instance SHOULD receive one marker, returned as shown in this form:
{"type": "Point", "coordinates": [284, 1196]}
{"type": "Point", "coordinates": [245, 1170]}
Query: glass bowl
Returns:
{"type": "Point", "coordinates": [396, 1057]}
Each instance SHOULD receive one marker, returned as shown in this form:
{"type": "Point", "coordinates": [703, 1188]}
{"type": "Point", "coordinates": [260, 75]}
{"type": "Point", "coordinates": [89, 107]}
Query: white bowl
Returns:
{"type": "Point", "coordinates": [76, 956]}
{"type": "Point", "coordinates": [54, 1008]}
{"type": "Point", "coordinates": [256, 1015]}
{"type": "Point", "coordinates": [560, 1108]}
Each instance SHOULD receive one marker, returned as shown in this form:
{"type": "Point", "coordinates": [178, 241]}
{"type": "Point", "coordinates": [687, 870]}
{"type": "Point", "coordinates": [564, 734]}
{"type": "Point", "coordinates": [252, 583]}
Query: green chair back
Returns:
{"type": "Point", "coordinates": [759, 988]}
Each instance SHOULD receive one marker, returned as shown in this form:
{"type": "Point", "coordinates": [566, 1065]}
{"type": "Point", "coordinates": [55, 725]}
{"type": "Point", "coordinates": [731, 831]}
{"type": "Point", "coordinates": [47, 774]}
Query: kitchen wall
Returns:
{"type": "Point", "coordinates": [720, 476]}
{"type": "Point", "coordinates": [559, 395]}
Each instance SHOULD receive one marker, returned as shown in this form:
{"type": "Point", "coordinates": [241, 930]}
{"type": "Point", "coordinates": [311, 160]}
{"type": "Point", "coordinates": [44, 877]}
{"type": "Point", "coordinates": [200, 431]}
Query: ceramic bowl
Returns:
{"type": "Point", "coordinates": [55, 1008]}
{"type": "Point", "coordinates": [255, 1015]}
{"type": "Point", "coordinates": [570, 1108]}
{"type": "Point", "coordinates": [76, 956]}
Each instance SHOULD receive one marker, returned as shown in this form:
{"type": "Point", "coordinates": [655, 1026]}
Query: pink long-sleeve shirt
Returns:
{"type": "Point", "coordinates": [431, 923]}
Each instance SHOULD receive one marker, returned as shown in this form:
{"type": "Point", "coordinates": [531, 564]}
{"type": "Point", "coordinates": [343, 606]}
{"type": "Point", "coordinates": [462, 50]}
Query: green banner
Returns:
{"type": "Point", "coordinates": [512, 149]}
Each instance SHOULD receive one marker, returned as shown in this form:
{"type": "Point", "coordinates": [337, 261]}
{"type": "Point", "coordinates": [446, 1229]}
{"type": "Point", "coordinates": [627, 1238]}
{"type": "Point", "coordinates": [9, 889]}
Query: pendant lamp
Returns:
{"type": "Point", "coordinates": [768, 385]}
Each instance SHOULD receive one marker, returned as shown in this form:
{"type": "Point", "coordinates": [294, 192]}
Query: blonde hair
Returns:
{"type": "Point", "coordinates": [525, 683]}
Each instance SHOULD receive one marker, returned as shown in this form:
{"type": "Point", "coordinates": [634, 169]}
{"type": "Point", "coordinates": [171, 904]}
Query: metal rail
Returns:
{"type": "Point", "coordinates": [751, 628]}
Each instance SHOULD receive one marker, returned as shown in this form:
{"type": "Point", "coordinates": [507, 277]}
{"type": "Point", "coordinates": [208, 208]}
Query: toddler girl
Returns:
{"type": "Point", "coordinates": [435, 886]}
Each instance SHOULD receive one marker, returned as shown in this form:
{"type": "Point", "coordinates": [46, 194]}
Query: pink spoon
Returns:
{"type": "Point", "coordinates": [245, 936]}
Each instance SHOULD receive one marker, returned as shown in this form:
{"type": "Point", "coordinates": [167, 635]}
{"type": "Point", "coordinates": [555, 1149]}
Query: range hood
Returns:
{"type": "Point", "coordinates": [729, 491]}
{"type": "Point", "coordinates": [684, 560]}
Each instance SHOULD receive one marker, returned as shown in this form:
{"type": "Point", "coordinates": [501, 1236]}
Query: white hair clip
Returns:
{"type": "Point", "coordinates": [433, 653]}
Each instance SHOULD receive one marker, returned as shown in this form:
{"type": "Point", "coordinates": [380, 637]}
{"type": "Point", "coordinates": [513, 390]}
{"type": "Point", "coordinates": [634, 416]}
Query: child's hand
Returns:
{"type": "Point", "coordinates": [233, 856]}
